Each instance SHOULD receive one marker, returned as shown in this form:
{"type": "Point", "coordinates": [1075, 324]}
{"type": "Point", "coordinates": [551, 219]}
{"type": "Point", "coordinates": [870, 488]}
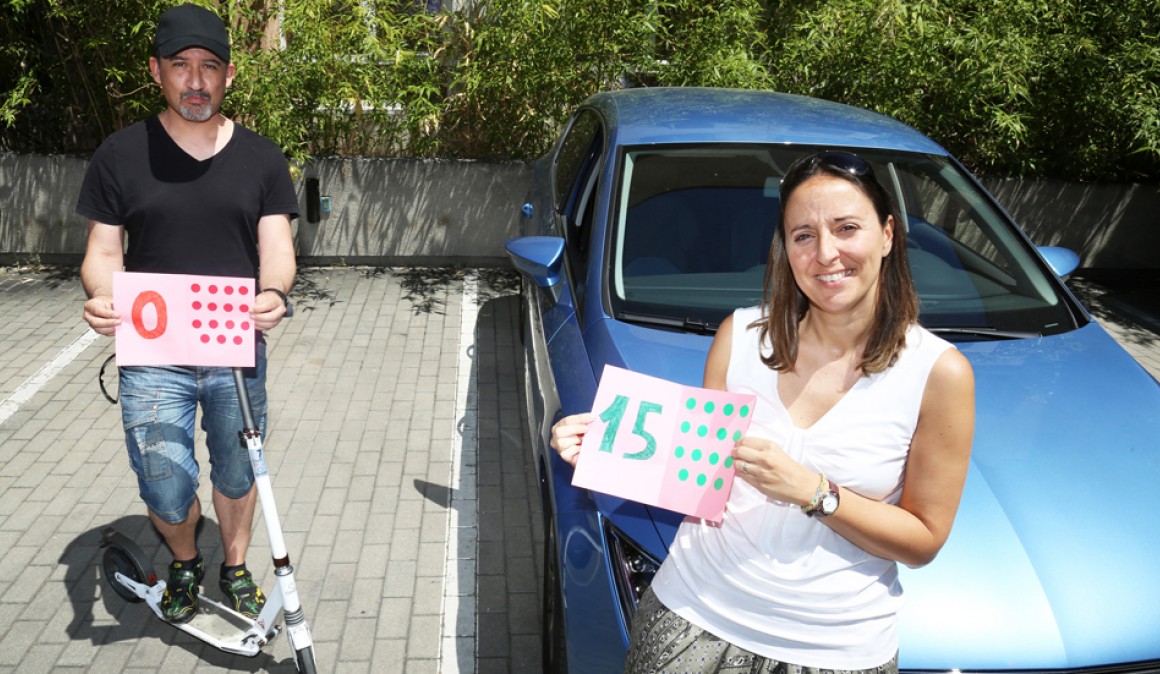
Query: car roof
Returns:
{"type": "Point", "coordinates": [697, 114]}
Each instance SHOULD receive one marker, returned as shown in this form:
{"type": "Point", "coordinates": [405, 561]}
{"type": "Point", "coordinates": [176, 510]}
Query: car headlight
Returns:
{"type": "Point", "coordinates": [632, 569]}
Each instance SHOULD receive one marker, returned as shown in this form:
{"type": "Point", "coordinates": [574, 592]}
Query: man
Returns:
{"type": "Point", "coordinates": [196, 194]}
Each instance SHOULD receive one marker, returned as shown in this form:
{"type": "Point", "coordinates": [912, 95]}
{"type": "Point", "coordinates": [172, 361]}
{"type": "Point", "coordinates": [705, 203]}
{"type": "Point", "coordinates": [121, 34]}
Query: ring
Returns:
{"type": "Point", "coordinates": [745, 467]}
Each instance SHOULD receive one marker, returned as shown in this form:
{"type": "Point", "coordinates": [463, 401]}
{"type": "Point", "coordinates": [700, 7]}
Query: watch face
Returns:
{"type": "Point", "coordinates": [829, 503]}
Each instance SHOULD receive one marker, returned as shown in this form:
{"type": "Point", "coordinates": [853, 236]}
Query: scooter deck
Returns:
{"type": "Point", "coordinates": [217, 620]}
{"type": "Point", "coordinates": [219, 625]}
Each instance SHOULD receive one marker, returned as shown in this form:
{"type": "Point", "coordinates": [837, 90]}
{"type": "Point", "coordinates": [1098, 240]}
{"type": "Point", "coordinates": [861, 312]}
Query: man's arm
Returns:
{"type": "Point", "coordinates": [103, 256]}
{"type": "Point", "coordinates": [277, 269]}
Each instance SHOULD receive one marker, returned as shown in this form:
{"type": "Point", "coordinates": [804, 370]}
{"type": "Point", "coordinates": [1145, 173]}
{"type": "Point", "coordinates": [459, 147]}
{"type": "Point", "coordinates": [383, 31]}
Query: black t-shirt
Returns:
{"type": "Point", "coordinates": [185, 216]}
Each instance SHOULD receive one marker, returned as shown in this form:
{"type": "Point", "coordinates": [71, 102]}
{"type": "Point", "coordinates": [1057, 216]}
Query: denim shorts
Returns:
{"type": "Point", "coordinates": [158, 407]}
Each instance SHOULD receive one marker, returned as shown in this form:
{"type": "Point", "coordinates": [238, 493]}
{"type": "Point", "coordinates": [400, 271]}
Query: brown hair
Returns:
{"type": "Point", "coordinates": [783, 305]}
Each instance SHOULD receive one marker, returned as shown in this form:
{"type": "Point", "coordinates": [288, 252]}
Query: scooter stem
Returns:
{"type": "Point", "coordinates": [252, 437]}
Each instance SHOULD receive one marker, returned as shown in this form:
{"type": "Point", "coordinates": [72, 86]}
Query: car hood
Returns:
{"type": "Point", "coordinates": [1052, 560]}
{"type": "Point", "coordinates": [1051, 563]}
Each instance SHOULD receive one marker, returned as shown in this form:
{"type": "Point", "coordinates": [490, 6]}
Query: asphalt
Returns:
{"type": "Point", "coordinates": [399, 459]}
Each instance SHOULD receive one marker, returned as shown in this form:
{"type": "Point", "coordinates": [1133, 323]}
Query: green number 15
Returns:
{"type": "Point", "coordinates": [615, 413]}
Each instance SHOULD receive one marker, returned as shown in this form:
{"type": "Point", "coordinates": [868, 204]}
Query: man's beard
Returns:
{"type": "Point", "coordinates": [196, 113]}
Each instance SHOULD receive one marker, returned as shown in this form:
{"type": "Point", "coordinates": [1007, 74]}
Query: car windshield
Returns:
{"type": "Point", "coordinates": [693, 226]}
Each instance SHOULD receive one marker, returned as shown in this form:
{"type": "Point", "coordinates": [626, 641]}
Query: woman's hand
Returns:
{"type": "Point", "coordinates": [763, 464]}
{"type": "Point", "coordinates": [568, 434]}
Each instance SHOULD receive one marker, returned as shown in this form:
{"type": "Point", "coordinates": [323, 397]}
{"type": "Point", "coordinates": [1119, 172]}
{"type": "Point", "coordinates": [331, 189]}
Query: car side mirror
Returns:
{"type": "Point", "coordinates": [1061, 260]}
{"type": "Point", "coordinates": [540, 258]}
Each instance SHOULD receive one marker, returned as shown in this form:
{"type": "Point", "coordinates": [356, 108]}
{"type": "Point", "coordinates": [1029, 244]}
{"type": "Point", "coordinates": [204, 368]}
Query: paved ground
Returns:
{"type": "Point", "coordinates": [398, 455]}
{"type": "Point", "coordinates": [398, 462]}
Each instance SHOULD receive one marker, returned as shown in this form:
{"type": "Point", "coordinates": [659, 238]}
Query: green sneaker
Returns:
{"type": "Point", "coordinates": [242, 593]}
{"type": "Point", "coordinates": [179, 603]}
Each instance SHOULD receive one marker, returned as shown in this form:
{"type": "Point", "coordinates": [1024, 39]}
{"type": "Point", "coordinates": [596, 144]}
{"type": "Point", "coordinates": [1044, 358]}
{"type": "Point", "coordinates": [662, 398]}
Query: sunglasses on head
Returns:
{"type": "Point", "coordinates": [832, 159]}
{"type": "Point", "coordinates": [844, 161]}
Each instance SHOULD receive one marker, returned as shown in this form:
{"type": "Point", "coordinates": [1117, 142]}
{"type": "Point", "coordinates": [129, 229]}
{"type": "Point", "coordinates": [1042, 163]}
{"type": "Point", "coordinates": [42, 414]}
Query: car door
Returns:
{"type": "Point", "coordinates": [560, 376]}
{"type": "Point", "coordinates": [560, 381]}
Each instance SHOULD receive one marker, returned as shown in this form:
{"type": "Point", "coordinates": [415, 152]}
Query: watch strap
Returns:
{"type": "Point", "coordinates": [282, 296]}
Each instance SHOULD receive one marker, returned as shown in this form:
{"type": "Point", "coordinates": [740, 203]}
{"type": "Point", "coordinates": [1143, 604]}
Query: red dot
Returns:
{"type": "Point", "coordinates": [227, 307]}
{"type": "Point", "coordinates": [238, 341]}
{"type": "Point", "coordinates": [196, 305]}
{"type": "Point", "coordinates": [229, 290]}
{"type": "Point", "coordinates": [212, 290]}
{"type": "Point", "coordinates": [221, 339]}
{"type": "Point", "coordinates": [229, 325]}
{"type": "Point", "coordinates": [195, 288]}
{"type": "Point", "coordinates": [243, 308]}
{"type": "Point", "coordinates": [243, 290]}
{"type": "Point", "coordinates": [196, 323]}
{"type": "Point", "coordinates": [212, 306]}
{"type": "Point", "coordinates": [213, 324]}
{"type": "Point", "coordinates": [245, 325]}
{"type": "Point", "coordinates": [205, 339]}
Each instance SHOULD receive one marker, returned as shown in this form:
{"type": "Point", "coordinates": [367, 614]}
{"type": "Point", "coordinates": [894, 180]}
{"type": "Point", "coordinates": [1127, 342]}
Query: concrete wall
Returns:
{"type": "Point", "coordinates": [391, 211]}
{"type": "Point", "coordinates": [419, 212]}
{"type": "Point", "coordinates": [37, 199]}
{"type": "Point", "coordinates": [1110, 226]}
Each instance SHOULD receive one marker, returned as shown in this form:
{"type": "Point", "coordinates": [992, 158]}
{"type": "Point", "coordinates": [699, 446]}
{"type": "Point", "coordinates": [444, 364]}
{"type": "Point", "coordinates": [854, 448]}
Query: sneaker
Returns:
{"type": "Point", "coordinates": [242, 593]}
{"type": "Point", "coordinates": [179, 603]}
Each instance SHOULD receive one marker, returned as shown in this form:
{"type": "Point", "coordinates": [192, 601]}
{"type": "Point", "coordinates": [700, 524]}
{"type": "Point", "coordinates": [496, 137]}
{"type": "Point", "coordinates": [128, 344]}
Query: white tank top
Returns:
{"type": "Point", "coordinates": [775, 581]}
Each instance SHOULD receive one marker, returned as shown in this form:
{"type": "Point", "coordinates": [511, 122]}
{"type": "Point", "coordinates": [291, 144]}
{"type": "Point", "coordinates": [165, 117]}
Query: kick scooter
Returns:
{"type": "Point", "coordinates": [130, 573]}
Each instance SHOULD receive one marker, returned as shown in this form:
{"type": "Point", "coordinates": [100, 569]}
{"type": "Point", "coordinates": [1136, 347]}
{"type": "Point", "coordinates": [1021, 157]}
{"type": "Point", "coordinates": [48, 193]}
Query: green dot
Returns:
{"type": "Point", "coordinates": [728, 409]}
{"type": "Point", "coordinates": [683, 475]}
{"type": "Point", "coordinates": [728, 462]}
{"type": "Point", "coordinates": [680, 451]}
{"type": "Point", "coordinates": [722, 433]}
{"type": "Point", "coordinates": [709, 407]}
{"type": "Point", "coordinates": [691, 403]}
{"type": "Point", "coordinates": [718, 483]}
{"type": "Point", "coordinates": [701, 480]}
{"type": "Point", "coordinates": [685, 426]}
{"type": "Point", "coordinates": [696, 455]}
{"type": "Point", "coordinates": [702, 431]}
{"type": "Point", "coordinates": [736, 436]}
{"type": "Point", "coordinates": [714, 458]}
{"type": "Point", "coordinates": [744, 411]}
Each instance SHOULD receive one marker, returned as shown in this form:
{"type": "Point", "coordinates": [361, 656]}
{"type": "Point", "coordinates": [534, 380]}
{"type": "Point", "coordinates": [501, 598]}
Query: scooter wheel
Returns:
{"type": "Point", "coordinates": [116, 560]}
{"type": "Point", "coordinates": [304, 659]}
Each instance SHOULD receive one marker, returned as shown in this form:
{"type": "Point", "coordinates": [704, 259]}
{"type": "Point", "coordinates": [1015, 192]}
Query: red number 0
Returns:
{"type": "Point", "coordinates": [158, 302]}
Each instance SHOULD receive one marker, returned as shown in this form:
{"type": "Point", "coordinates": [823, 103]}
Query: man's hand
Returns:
{"type": "Point", "coordinates": [268, 311]}
{"type": "Point", "coordinates": [101, 317]}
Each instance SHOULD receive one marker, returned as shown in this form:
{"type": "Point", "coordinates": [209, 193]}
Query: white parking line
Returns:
{"type": "Point", "coordinates": [457, 643]}
{"type": "Point", "coordinates": [33, 384]}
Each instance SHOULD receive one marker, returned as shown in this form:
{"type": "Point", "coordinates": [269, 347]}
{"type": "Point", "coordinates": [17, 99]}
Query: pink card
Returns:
{"type": "Point", "coordinates": [179, 319]}
{"type": "Point", "coordinates": [663, 444]}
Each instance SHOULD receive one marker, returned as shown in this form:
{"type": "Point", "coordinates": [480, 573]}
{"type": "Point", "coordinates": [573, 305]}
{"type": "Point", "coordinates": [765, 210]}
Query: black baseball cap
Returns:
{"type": "Point", "coordinates": [186, 26]}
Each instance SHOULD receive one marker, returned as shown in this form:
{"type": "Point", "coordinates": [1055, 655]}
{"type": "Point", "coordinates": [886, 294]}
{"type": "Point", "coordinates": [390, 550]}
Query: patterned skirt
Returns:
{"type": "Point", "coordinates": [665, 643]}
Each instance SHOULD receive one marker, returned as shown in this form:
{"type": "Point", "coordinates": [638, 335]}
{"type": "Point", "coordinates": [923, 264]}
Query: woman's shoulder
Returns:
{"type": "Point", "coordinates": [919, 338]}
{"type": "Point", "coordinates": [745, 317]}
{"type": "Point", "coordinates": [946, 364]}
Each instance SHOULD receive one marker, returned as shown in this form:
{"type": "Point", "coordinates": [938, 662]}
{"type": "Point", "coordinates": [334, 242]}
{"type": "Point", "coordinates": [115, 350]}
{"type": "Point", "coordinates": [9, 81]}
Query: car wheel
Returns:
{"type": "Point", "coordinates": [554, 645]}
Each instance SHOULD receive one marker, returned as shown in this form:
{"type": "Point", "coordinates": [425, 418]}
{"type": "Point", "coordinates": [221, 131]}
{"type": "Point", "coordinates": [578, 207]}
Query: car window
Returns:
{"type": "Point", "coordinates": [574, 180]}
{"type": "Point", "coordinates": [693, 227]}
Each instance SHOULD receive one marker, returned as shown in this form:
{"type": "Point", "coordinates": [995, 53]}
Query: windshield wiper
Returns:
{"type": "Point", "coordinates": [985, 332]}
{"type": "Point", "coordinates": [693, 325]}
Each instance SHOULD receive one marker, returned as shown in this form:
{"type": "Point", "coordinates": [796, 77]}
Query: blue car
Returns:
{"type": "Point", "coordinates": [651, 220]}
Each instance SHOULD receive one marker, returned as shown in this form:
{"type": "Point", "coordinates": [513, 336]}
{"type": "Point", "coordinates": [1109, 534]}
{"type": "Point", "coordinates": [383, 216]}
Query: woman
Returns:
{"type": "Point", "coordinates": [855, 458]}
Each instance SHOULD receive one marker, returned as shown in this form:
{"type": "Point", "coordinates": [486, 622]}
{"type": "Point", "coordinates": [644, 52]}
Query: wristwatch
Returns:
{"type": "Point", "coordinates": [829, 501]}
{"type": "Point", "coordinates": [285, 300]}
